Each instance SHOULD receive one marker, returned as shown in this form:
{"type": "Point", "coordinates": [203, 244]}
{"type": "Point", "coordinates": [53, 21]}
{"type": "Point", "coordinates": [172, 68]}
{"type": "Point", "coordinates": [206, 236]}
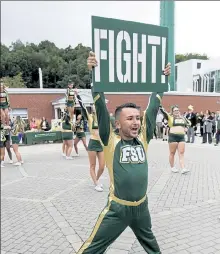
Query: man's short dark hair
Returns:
{"type": "Point", "coordinates": [126, 105]}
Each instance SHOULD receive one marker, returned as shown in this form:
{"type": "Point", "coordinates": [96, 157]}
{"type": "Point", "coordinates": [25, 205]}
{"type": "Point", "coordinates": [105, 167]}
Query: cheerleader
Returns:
{"type": "Point", "coordinates": [80, 134]}
{"type": "Point", "coordinates": [4, 104]}
{"type": "Point", "coordinates": [18, 127]}
{"type": "Point", "coordinates": [2, 143]}
{"type": "Point", "coordinates": [70, 100]}
{"type": "Point", "coordinates": [176, 137]}
{"type": "Point", "coordinates": [95, 149]}
{"type": "Point", "coordinates": [67, 136]}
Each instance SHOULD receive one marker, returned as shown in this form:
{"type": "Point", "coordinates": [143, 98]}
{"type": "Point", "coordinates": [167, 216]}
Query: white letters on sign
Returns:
{"type": "Point", "coordinates": [132, 57]}
{"type": "Point", "coordinates": [132, 154]}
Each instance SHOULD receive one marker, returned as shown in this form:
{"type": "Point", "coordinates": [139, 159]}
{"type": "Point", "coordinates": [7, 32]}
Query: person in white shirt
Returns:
{"type": "Point", "coordinates": [159, 124]}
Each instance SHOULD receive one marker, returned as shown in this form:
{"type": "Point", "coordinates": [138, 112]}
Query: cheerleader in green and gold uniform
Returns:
{"type": "Point", "coordinates": [2, 142]}
{"type": "Point", "coordinates": [176, 137]}
{"type": "Point", "coordinates": [18, 127]}
{"type": "Point", "coordinates": [4, 104]}
{"type": "Point", "coordinates": [80, 134]}
{"type": "Point", "coordinates": [70, 100]}
{"type": "Point", "coordinates": [95, 149]}
{"type": "Point", "coordinates": [67, 136]}
{"type": "Point", "coordinates": [126, 160]}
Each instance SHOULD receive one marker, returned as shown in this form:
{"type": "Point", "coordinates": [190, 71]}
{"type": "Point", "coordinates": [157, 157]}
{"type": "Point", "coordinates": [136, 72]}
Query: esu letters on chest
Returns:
{"type": "Point", "coordinates": [132, 154]}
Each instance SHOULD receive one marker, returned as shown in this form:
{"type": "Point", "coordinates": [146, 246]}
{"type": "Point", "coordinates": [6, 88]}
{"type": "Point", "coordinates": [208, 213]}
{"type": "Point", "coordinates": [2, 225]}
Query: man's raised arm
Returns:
{"type": "Point", "coordinates": [103, 117]}
{"type": "Point", "coordinates": [100, 106]}
{"type": "Point", "coordinates": [150, 115]}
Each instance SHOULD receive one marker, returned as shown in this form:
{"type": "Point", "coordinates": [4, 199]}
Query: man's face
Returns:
{"type": "Point", "coordinates": [129, 123]}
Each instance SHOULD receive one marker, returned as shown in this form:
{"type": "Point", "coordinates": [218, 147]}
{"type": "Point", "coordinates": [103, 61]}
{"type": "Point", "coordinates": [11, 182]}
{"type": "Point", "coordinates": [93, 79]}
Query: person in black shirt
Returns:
{"type": "Point", "coordinates": [191, 116]}
{"type": "Point", "coordinates": [201, 116]}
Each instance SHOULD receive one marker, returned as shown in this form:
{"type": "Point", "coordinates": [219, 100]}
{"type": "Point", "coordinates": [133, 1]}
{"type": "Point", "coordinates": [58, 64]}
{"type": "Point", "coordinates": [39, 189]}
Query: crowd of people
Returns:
{"type": "Point", "coordinates": [38, 124]}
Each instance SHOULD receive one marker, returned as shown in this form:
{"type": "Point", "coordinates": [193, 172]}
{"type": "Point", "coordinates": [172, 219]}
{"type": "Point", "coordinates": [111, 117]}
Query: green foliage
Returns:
{"type": "Point", "coordinates": [185, 57]}
{"type": "Point", "coordinates": [14, 82]}
{"type": "Point", "coordinates": [59, 66]}
{"type": "Point", "coordinates": [21, 62]}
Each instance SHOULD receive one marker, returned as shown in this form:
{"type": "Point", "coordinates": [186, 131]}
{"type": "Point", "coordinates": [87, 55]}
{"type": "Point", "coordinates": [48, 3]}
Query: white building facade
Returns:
{"type": "Point", "coordinates": [198, 75]}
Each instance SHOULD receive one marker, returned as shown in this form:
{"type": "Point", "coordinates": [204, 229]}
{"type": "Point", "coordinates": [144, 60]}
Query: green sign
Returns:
{"type": "Point", "coordinates": [131, 56]}
{"type": "Point", "coordinates": [45, 134]}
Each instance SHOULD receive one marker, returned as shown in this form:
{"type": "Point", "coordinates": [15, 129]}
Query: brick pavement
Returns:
{"type": "Point", "coordinates": [49, 205]}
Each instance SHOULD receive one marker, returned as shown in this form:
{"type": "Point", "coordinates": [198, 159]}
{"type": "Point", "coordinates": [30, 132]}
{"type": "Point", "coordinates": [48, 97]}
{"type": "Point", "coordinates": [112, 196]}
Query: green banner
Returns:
{"type": "Point", "coordinates": [131, 56]}
{"type": "Point", "coordinates": [38, 137]}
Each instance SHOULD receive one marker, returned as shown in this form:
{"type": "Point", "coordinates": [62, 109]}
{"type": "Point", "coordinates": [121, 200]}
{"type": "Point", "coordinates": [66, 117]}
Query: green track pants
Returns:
{"type": "Point", "coordinates": [113, 220]}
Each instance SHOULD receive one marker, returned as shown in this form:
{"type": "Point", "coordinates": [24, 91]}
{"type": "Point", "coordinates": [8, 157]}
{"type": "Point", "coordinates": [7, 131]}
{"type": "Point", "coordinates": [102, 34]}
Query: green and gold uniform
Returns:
{"type": "Point", "coordinates": [176, 121]}
{"type": "Point", "coordinates": [67, 131]}
{"type": "Point", "coordinates": [80, 126]}
{"type": "Point", "coordinates": [7, 135]}
{"type": "Point", "coordinates": [126, 161]}
{"type": "Point", "coordinates": [69, 94]}
{"type": "Point", "coordinates": [94, 142]}
{"type": "Point", "coordinates": [6, 103]}
{"type": "Point", "coordinates": [2, 136]}
{"type": "Point", "coordinates": [16, 129]}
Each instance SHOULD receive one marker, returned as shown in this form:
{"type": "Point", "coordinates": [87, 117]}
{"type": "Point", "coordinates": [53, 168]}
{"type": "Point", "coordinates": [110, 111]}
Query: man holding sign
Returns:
{"type": "Point", "coordinates": [126, 160]}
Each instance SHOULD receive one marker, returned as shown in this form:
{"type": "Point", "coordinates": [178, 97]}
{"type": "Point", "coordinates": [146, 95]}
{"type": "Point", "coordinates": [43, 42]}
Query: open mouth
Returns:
{"type": "Point", "coordinates": [134, 129]}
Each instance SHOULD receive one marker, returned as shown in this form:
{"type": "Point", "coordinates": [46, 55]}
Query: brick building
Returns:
{"type": "Point", "coordinates": [50, 102]}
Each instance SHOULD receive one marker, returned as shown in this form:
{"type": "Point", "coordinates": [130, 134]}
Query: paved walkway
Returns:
{"type": "Point", "coordinates": [49, 204]}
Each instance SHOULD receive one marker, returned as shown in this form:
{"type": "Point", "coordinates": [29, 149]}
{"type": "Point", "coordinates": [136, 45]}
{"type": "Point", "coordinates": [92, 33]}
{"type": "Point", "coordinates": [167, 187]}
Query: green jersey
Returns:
{"type": "Point", "coordinates": [67, 126]}
{"type": "Point", "coordinates": [126, 160]}
{"type": "Point", "coordinates": [2, 133]}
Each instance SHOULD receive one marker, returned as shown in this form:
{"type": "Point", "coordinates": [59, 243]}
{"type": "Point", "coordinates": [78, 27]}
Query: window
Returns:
{"type": "Point", "coordinates": [199, 86]}
{"type": "Point", "coordinates": [22, 112]}
{"type": "Point", "coordinates": [176, 72]}
{"type": "Point", "coordinates": [59, 113]}
{"type": "Point", "coordinates": [217, 81]}
{"type": "Point", "coordinates": [198, 65]}
{"type": "Point", "coordinates": [212, 81]}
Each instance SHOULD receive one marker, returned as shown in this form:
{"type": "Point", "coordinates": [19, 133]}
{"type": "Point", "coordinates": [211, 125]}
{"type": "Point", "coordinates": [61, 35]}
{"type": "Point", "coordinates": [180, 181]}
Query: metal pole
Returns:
{"type": "Point", "coordinates": [40, 78]}
{"type": "Point", "coordinates": [167, 19]}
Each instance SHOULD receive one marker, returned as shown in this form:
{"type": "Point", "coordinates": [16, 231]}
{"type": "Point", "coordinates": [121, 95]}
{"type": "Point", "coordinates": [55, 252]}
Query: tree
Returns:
{"type": "Point", "coordinates": [14, 82]}
{"type": "Point", "coordinates": [58, 66]}
{"type": "Point", "coordinates": [184, 57]}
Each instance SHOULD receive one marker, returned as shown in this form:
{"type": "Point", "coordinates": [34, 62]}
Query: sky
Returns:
{"type": "Point", "coordinates": [69, 22]}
